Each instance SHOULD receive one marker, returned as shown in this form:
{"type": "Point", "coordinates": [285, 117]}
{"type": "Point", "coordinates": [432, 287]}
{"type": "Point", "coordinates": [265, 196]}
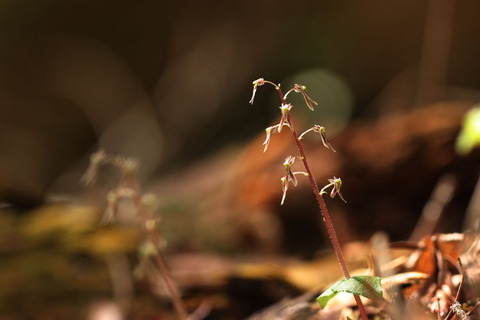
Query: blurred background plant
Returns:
{"type": "Point", "coordinates": [168, 83]}
{"type": "Point", "coordinates": [127, 204]}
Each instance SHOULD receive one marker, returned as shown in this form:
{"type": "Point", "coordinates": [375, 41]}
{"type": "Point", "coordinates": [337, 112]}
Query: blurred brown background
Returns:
{"type": "Point", "coordinates": [169, 83]}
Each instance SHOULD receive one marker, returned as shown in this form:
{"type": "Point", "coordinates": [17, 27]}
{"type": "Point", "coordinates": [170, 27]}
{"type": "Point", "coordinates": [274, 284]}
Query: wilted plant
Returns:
{"type": "Point", "coordinates": [361, 285]}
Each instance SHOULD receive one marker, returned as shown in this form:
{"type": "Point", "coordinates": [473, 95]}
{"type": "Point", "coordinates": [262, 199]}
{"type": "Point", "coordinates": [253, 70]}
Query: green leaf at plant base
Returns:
{"type": "Point", "coordinates": [469, 136]}
{"type": "Point", "coordinates": [368, 286]}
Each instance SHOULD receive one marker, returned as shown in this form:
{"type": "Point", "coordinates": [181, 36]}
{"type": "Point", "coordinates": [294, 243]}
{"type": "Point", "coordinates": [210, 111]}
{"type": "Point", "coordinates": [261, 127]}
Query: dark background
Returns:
{"type": "Point", "coordinates": [169, 83]}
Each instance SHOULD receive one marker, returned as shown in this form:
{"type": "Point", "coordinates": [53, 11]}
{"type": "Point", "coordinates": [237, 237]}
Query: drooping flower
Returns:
{"type": "Point", "coordinates": [303, 90]}
{"type": "Point", "coordinates": [336, 184]}
{"type": "Point", "coordinates": [289, 176]}
{"type": "Point", "coordinates": [269, 131]}
{"type": "Point", "coordinates": [320, 130]}
{"type": "Point", "coordinates": [96, 160]}
{"type": "Point", "coordinates": [257, 83]}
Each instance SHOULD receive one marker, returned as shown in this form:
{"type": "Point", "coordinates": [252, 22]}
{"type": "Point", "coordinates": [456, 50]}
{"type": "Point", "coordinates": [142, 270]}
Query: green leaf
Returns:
{"type": "Point", "coordinates": [368, 286]}
{"type": "Point", "coordinates": [469, 136]}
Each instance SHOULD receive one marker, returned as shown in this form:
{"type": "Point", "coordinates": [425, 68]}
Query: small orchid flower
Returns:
{"type": "Point", "coordinates": [286, 118]}
{"type": "Point", "coordinates": [269, 131]}
{"type": "Point", "coordinates": [96, 160]}
{"type": "Point", "coordinates": [303, 90]}
{"type": "Point", "coordinates": [336, 184]}
{"type": "Point", "coordinates": [289, 176]}
{"type": "Point", "coordinates": [321, 130]}
{"type": "Point", "coordinates": [257, 83]}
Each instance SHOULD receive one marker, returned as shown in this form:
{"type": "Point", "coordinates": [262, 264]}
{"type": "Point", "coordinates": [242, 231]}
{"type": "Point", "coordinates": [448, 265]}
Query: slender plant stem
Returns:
{"type": "Point", "coordinates": [323, 208]}
{"type": "Point", "coordinates": [328, 222]}
{"type": "Point", "coordinates": [159, 258]}
{"type": "Point", "coordinates": [324, 211]}
{"type": "Point", "coordinates": [177, 301]}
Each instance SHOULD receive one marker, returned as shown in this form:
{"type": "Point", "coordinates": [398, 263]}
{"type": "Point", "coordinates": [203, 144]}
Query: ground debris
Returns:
{"type": "Point", "coordinates": [427, 284]}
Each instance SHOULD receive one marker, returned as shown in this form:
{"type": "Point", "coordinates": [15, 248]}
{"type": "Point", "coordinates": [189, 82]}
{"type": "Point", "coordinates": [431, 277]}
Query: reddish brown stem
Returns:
{"type": "Point", "coordinates": [328, 222]}
{"type": "Point", "coordinates": [172, 288]}
{"type": "Point", "coordinates": [154, 238]}
{"type": "Point", "coordinates": [324, 211]}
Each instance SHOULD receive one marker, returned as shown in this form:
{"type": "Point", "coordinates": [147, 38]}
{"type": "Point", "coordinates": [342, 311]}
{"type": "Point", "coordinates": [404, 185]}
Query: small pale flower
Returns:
{"type": "Point", "coordinates": [286, 118]}
{"type": "Point", "coordinates": [336, 184]}
{"type": "Point", "coordinates": [288, 170]}
{"type": "Point", "coordinates": [303, 90]}
{"type": "Point", "coordinates": [269, 131]}
{"type": "Point", "coordinates": [96, 160]}
{"type": "Point", "coordinates": [289, 176]}
{"type": "Point", "coordinates": [129, 164]}
{"type": "Point", "coordinates": [113, 201]}
{"type": "Point", "coordinates": [320, 130]}
{"type": "Point", "coordinates": [257, 83]}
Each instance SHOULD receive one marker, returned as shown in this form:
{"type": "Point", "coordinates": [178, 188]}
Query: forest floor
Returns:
{"type": "Point", "coordinates": [234, 251]}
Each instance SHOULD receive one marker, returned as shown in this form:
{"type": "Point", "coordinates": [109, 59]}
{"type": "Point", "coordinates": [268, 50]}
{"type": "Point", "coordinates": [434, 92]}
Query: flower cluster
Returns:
{"type": "Point", "coordinates": [290, 177]}
{"type": "Point", "coordinates": [286, 120]}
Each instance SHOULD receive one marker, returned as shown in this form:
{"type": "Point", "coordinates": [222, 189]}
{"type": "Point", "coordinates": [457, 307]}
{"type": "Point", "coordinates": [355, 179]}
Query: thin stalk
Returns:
{"type": "Point", "coordinates": [328, 222]}
{"type": "Point", "coordinates": [153, 235]}
{"type": "Point", "coordinates": [172, 288]}
{"type": "Point", "coordinates": [323, 210]}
